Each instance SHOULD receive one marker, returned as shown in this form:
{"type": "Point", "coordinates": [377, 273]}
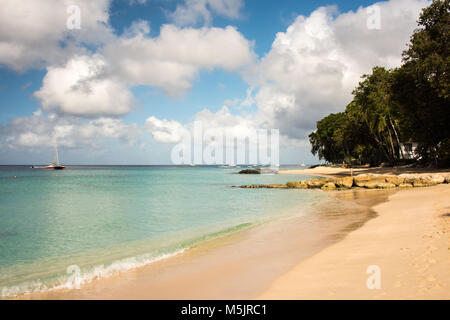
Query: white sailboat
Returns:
{"type": "Point", "coordinates": [55, 165]}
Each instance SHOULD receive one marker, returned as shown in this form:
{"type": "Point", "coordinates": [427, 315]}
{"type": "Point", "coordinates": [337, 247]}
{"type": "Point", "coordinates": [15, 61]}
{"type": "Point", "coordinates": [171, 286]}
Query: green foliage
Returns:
{"type": "Point", "coordinates": [374, 108]}
{"type": "Point", "coordinates": [329, 139]}
{"type": "Point", "coordinates": [410, 103]}
{"type": "Point", "coordinates": [366, 132]}
{"type": "Point", "coordinates": [427, 54]}
{"type": "Point", "coordinates": [421, 86]}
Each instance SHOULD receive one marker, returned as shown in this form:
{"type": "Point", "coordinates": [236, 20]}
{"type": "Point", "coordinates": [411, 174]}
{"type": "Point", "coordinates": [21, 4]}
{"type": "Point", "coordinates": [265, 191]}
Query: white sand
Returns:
{"type": "Point", "coordinates": [409, 241]}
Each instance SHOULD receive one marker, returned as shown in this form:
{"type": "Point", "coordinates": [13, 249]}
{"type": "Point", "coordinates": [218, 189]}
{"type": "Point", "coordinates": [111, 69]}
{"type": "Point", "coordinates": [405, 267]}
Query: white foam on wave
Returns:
{"type": "Point", "coordinates": [77, 277]}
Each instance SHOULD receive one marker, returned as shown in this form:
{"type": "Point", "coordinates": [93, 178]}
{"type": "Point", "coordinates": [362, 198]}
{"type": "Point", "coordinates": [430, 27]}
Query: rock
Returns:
{"type": "Point", "coordinates": [417, 182]}
{"type": "Point", "coordinates": [408, 178]}
{"type": "Point", "coordinates": [386, 185]}
{"type": "Point", "coordinates": [397, 180]}
{"type": "Point", "coordinates": [438, 179]}
{"type": "Point", "coordinates": [250, 171]}
{"type": "Point", "coordinates": [423, 182]}
{"type": "Point", "coordinates": [368, 181]}
{"type": "Point", "coordinates": [346, 182]}
{"type": "Point", "coordinates": [329, 186]}
{"type": "Point", "coordinates": [371, 184]}
{"type": "Point", "coordinates": [264, 186]}
{"type": "Point", "coordinates": [316, 183]}
{"type": "Point", "coordinates": [296, 185]}
{"type": "Point", "coordinates": [361, 180]}
{"type": "Point", "coordinates": [276, 186]}
{"type": "Point", "coordinates": [429, 181]}
{"type": "Point", "coordinates": [405, 185]}
{"type": "Point", "coordinates": [447, 179]}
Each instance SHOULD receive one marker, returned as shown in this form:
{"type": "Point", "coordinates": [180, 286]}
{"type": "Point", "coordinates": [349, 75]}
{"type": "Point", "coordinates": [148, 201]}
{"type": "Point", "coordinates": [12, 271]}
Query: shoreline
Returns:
{"type": "Point", "coordinates": [408, 241]}
{"type": "Point", "coordinates": [238, 266]}
{"type": "Point", "coordinates": [303, 258]}
{"type": "Point", "coordinates": [336, 172]}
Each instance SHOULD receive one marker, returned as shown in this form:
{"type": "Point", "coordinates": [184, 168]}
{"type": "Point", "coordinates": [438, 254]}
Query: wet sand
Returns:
{"type": "Point", "coordinates": [338, 171]}
{"type": "Point", "coordinates": [409, 241]}
{"type": "Point", "coordinates": [242, 265]}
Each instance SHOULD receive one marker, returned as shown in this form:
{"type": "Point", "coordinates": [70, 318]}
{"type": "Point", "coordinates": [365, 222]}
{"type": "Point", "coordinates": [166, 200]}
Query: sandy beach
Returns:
{"type": "Point", "coordinates": [409, 242]}
{"type": "Point", "coordinates": [323, 255]}
{"type": "Point", "coordinates": [326, 171]}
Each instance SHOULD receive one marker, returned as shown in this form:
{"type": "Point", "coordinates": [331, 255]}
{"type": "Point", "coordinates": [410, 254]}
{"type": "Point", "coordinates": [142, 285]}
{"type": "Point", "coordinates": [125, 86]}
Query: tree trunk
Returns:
{"type": "Point", "coordinates": [396, 136]}
{"type": "Point", "coordinates": [392, 144]}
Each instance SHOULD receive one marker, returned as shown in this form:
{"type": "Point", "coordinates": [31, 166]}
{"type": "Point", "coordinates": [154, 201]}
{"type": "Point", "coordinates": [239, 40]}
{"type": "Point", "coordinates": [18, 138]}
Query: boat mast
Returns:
{"type": "Point", "coordinates": [56, 153]}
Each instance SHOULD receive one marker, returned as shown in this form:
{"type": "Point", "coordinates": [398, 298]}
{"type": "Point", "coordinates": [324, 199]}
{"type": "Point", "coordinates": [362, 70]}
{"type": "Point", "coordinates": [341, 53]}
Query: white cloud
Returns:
{"type": "Point", "coordinates": [172, 60]}
{"type": "Point", "coordinates": [98, 84]}
{"type": "Point", "coordinates": [196, 11]}
{"type": "Point", "coordinates": [249, 99]}
{"type": "Point", "coordinates": [237, 125]}
{"type": "Point", "coordinates": [224, 120]}
{"type": "Point", "coordinates": [80, 88]}
{"type": "Point", "coordinates": [137, 27]}
{"type": "Point", "coordinates": [238, 103]}
{"type": "Point", "coordinates": [313, 67]}
{"type": "Point", "coordinates": [164, 131]}
{"type": "Point", "coordinates": [79, 82]}
{"type": "Point", "coordinates": [32, 32]}
{"type": "Point", "coordinates": [39, 130]}
{"type": "Point", "coordinates": [310, 71]}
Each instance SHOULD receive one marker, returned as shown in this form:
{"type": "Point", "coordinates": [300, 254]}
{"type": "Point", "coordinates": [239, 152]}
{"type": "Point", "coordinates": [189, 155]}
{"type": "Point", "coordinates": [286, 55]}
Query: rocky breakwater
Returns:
{"type": "Point", "coordinates": [363, 181]}
{"type": "Point", "coordinates": [250, 171]}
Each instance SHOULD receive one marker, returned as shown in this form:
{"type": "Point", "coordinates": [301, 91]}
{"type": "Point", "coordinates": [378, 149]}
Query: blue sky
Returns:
{"type": "Point", "coordinates": [265, 63]}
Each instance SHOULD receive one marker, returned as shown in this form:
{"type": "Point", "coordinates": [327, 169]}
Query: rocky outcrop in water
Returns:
{"type": "Point", "coordinates": [250, 171]}
{"type": "Point", "coordinates": [297, 185]}
{"type": "Point", "coordinates": [265, 186]}
{"type": "Point", "coordinates": [363, 181]}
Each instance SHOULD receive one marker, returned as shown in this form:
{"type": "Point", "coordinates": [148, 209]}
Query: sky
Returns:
{"type": "Point", "coordinates": [115, 82]}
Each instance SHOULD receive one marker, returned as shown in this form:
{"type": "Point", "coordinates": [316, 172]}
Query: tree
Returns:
{"type": "Point", "coordinates": [394, 106]}
{"type": "Point", "coordinates": [421, 87]}
{"type": "Point", "coordinates": [373, 106]}
{"type": "Point", "coordinates": [328, 141]}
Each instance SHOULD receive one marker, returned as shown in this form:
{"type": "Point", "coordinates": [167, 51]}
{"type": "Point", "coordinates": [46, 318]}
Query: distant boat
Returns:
{"type": "Point", "coordinates": [55, 165]}
{"type": "Point", "coordinates": [229, 166]}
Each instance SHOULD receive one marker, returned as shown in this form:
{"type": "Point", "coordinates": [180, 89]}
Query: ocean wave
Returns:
{"type": "Point", "coordinates": [76, 277]}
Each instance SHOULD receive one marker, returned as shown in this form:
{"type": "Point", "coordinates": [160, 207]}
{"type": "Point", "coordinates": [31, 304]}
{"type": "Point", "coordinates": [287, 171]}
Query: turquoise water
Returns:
{"type": "Point", "coordinates": [59, 229]}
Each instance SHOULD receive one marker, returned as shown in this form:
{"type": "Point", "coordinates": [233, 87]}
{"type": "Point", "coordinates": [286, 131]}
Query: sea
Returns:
{"type": "Point", "coordinates": [62, 229]}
